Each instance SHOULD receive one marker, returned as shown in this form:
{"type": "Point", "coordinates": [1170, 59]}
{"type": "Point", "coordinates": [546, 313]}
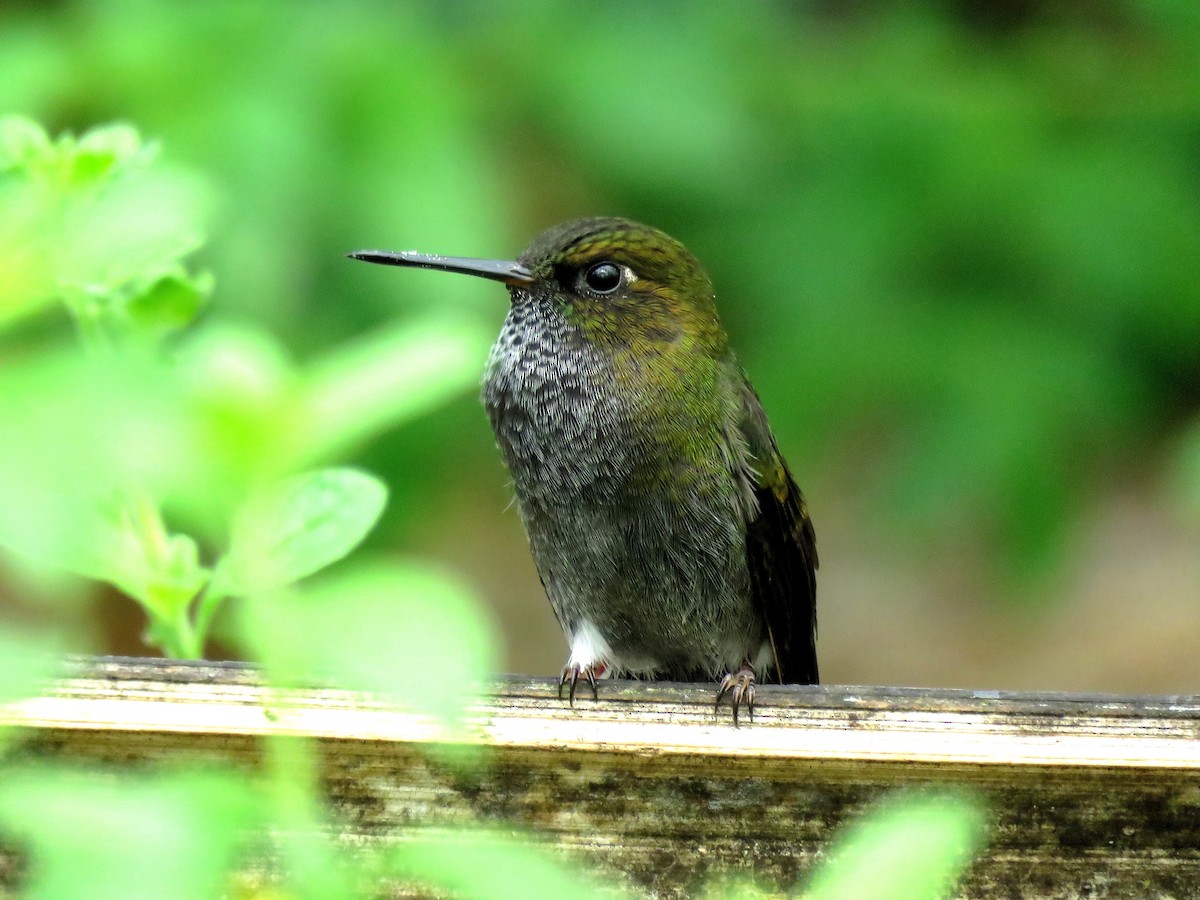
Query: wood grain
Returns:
{"type": "Point", "coordinates": [1089, 796]}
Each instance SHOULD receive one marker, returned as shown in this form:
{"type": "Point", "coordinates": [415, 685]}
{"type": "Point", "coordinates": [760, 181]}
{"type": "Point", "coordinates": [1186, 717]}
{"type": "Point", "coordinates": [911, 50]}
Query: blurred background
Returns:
{"type": "Point", "coordinates": [957, 246]}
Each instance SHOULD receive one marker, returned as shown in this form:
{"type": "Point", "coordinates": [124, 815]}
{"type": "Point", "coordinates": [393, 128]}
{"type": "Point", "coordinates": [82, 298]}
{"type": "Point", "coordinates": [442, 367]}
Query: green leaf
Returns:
{"type": "Point", "coordinates": [25, 276]}
{"type": "Point", "coordinates": [28, 659]}
{"type": "Point", "coordinates": [125, 544]}
{"type": "Point", "coordinates": [170, 303]}
{"type": "Point", "coordinates": [385, 380]}
{"type": "Point", "coordinates": [174, 576]}
{"type": "Point", "coordinates": [104, 838]}
{"type": "Point", "coordinates": [308, 853]}
{"type": "Point", "coordinates": [103, 150]}
{"type": "Point", "coordinates": [89, 428]}
{"type": "Point", "coordinates": [300, 527]}
{"type": "Point", "coordinates": [912, 847]}
{"type": "Point", "coordinates": [132, 230]}
{"type": "Point", "coordinates": [93, 222]}
{"type": "Point", "coordinates": [406, 631]}
{"type": "Point", "coordinates": [489, 866]}
{"type": "Point", "coordinates": [735, 888]}
{"type": "Point", "coordinates": [21, 140]}
{"type": "Point", "coordinates": [236, 385]}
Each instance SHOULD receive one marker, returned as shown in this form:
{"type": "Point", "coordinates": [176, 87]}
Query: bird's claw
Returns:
{"type": "Point", "coordinates": [739, 686]}
{"type": "Point", "coordinates": [571, 675]}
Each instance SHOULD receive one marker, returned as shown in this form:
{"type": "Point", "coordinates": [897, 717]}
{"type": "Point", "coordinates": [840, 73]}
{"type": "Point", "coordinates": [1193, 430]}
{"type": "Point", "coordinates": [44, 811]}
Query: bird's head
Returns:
{"type": "Point", "coordinates": [620, 283]}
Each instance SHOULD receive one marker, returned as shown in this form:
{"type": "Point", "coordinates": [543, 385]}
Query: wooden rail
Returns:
{"type": "Point", "coordinates": [1090, 796]}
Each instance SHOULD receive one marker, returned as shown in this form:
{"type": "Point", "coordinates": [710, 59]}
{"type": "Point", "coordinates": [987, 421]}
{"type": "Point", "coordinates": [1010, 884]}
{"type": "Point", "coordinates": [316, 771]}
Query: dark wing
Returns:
{"type": "Point", "coordinates": [781, 549]}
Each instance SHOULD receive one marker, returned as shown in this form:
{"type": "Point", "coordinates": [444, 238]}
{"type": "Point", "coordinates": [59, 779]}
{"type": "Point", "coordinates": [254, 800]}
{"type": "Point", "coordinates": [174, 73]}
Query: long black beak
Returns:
{"type": "Point", "coordinates": [508, 271]}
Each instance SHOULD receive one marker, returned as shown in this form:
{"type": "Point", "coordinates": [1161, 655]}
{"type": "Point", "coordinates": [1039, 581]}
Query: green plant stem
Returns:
{"type": "Point", "coordinates": [294, 791]}
{"type": "Point", "coordinates": [173, 631]}
{"type": "Point", "coordinates": [206, 608]}
{"type": "Point", "coordinates": [180, 640]}
{"type": "Point", "coordinates": [149, 526]}
{"type": "Point", "coordinates": [91, 321]}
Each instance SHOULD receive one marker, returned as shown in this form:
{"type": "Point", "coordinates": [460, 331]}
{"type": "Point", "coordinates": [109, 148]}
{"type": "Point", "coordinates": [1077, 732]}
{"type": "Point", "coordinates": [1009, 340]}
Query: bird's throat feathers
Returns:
{"type": "Point", "coordinates": [639, 300]}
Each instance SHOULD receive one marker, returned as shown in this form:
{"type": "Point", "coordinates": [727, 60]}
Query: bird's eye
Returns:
{"type": "Point", "coordinates": [603, 278]}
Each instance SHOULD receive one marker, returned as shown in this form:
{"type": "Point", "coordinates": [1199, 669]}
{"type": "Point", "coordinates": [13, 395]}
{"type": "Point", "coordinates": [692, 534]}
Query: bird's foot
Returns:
{"type": "Point", "coordinates": [739, 686]}
{"type": "Point", "coordinates": [571, 675]}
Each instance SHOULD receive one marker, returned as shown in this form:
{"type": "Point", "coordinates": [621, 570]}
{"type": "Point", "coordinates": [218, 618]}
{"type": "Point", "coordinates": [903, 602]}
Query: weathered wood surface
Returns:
{"type": "Point", "coordinates": [1090, 796]}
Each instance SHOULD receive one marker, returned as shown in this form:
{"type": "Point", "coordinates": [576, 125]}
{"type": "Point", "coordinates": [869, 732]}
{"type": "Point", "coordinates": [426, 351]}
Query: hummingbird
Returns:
{"type": "Point", "coordinates": [669, 535]}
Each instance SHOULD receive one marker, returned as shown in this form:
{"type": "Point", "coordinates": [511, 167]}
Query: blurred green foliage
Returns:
{"type": "Point", "coordinates": [958, 244]}
{"type": "Point", "coordinates": [173, 835]}
{"type": "Point", "coordinates": [115, 432]}
{"type": "Point", "coordinates": [910, 845]}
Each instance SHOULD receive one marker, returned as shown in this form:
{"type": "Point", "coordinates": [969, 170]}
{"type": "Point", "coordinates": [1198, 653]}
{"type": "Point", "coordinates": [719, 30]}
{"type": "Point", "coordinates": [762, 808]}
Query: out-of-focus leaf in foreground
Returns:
{"type": "Point", "coordinates": [385, 379]}
{"type": "Point", "coordinates": [96, 222]}
{"type": "Point", "coordinates": [413, 634]}
{"type": "Point", "coordinates": [103, 837]}
{"type": "Point", "coordinates": [488, 866]}
{"type": "Point", "coordinates": [299, 527]}
{"type": "Point", "coordinates": [28, 659]}
{"type": "Point", "coordinates": [912, 847]}
{"type": "Point", "coordinates": [78, 433]}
